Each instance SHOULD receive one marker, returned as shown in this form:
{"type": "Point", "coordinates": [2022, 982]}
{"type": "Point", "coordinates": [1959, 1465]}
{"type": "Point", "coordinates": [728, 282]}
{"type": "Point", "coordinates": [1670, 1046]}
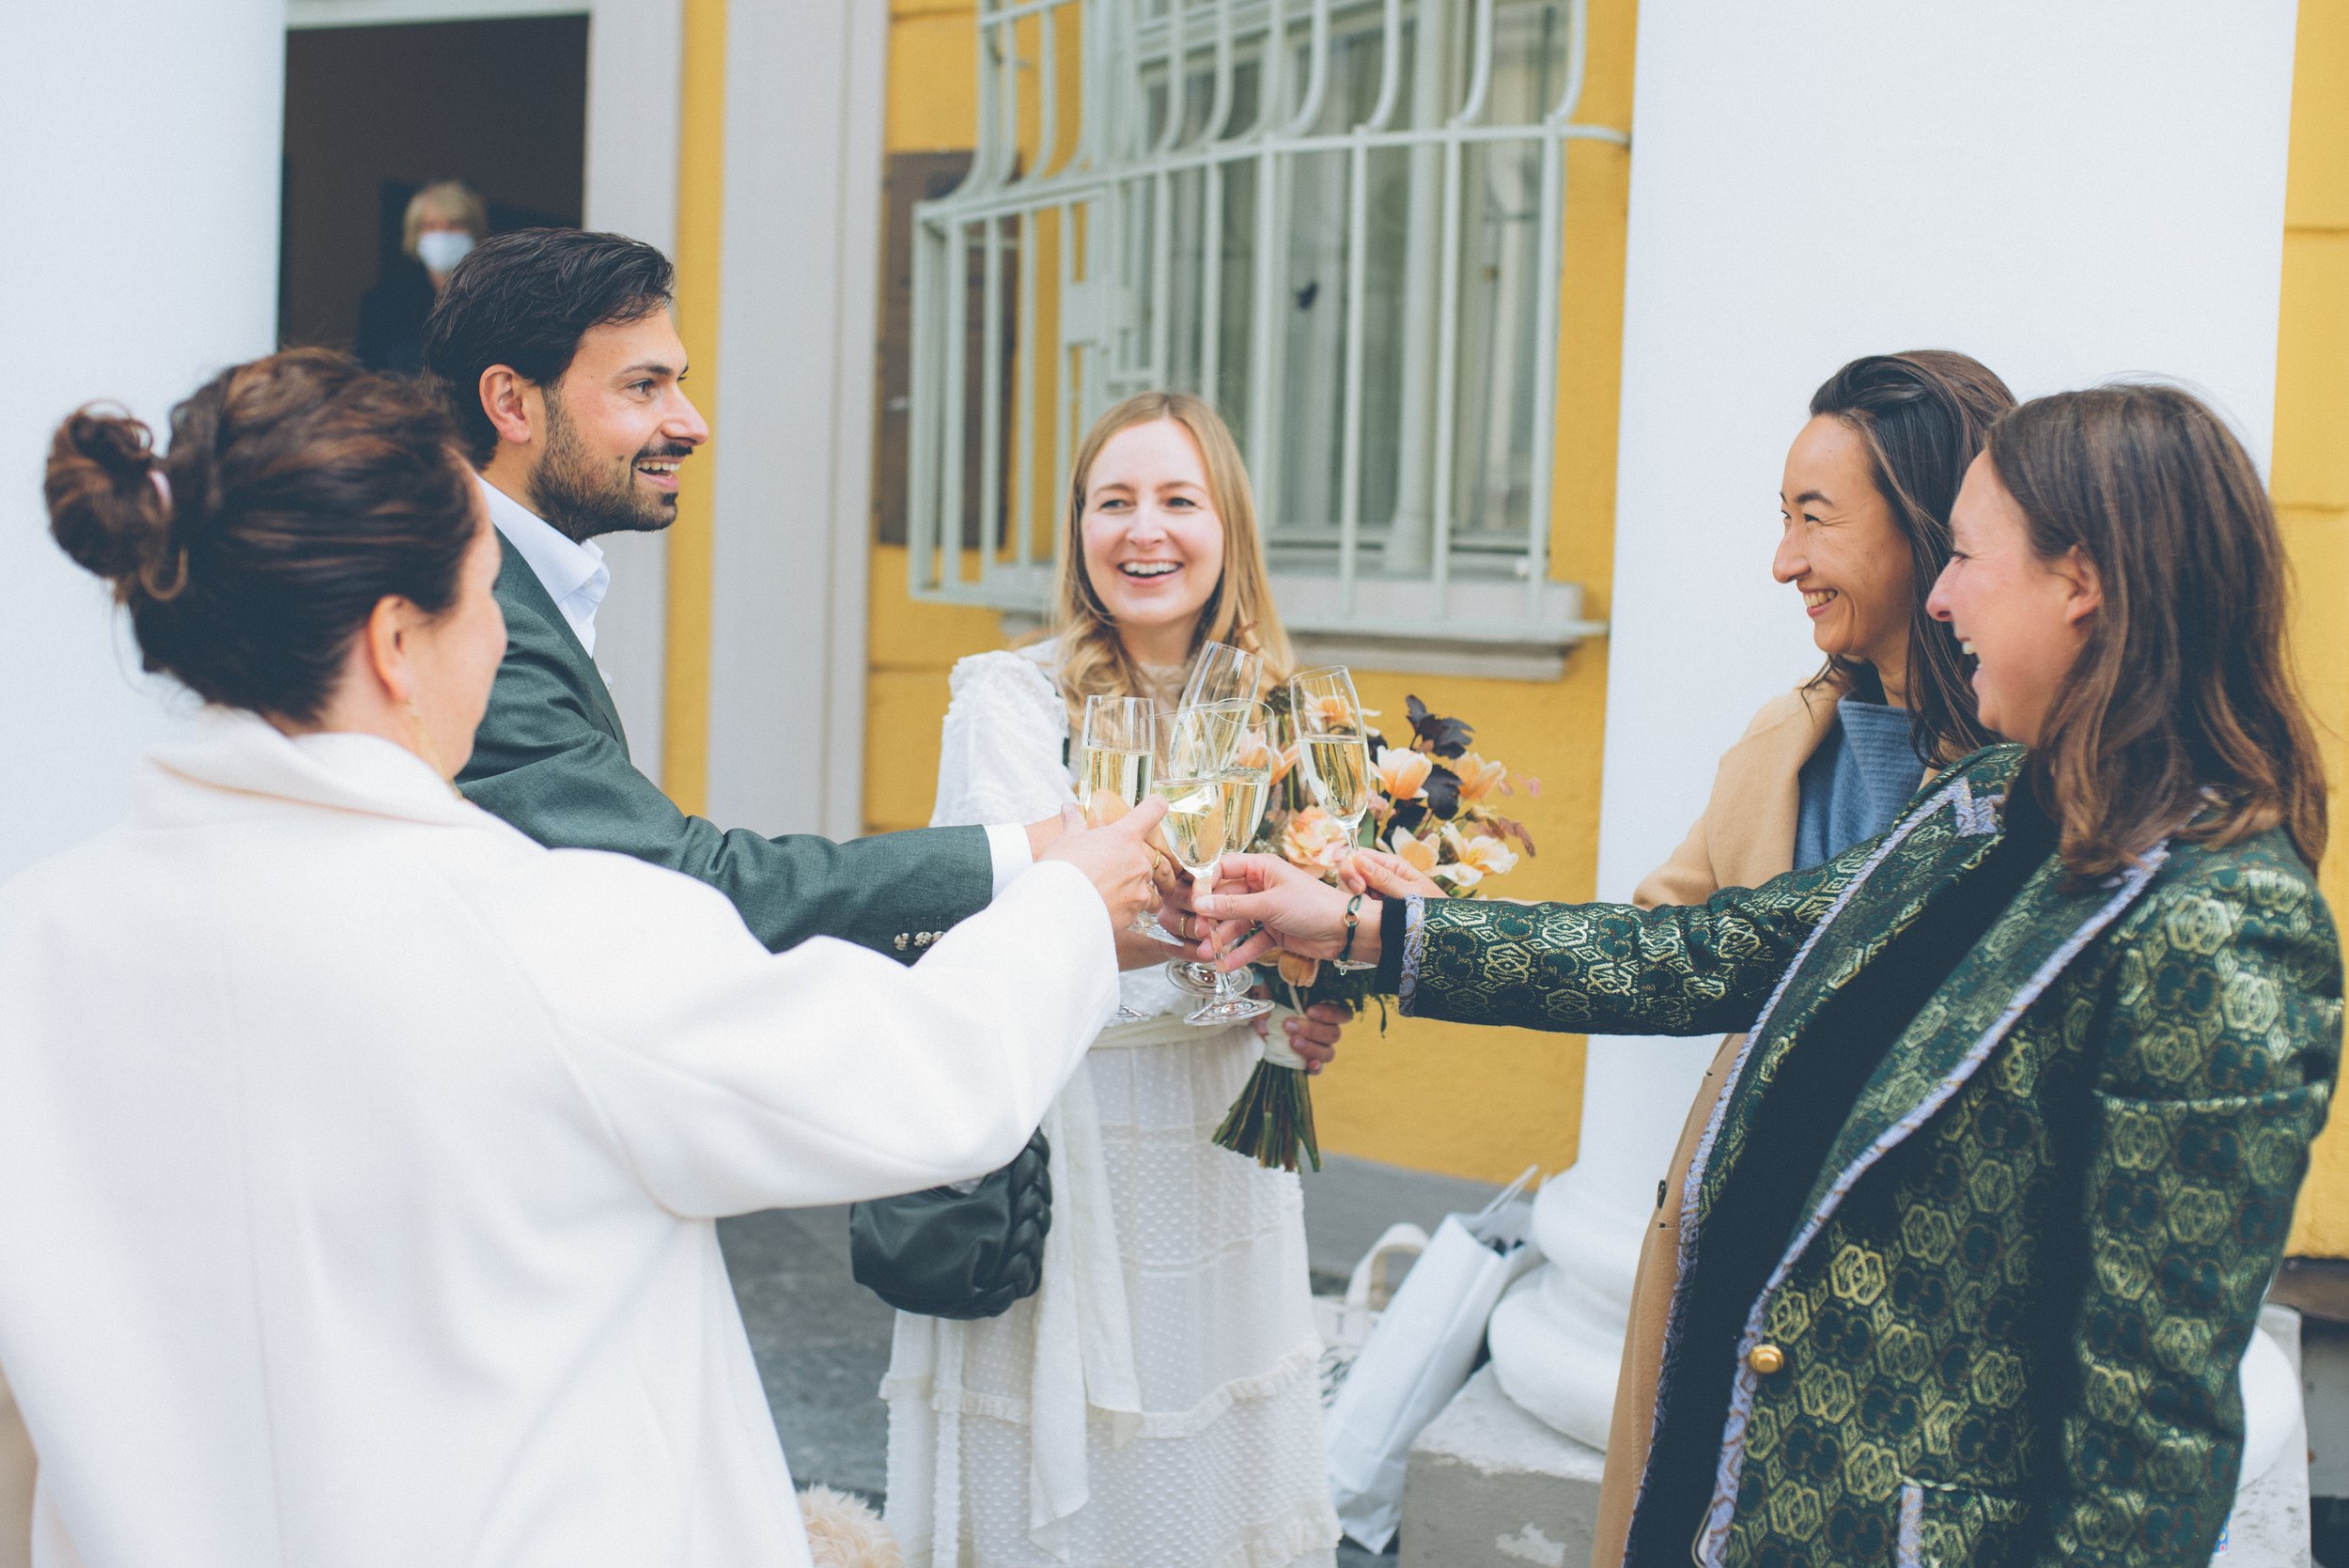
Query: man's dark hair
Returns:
{"type": "Point", "coordinates": [525, 300]}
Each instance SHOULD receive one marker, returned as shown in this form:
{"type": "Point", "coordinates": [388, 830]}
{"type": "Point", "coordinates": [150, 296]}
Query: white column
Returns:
{"type": "Point", "coordinates": [2068, 193]}
{"type": "Point", "coordinates": [141, 179]}
{"type": "Point", "coordinates": [636, 88]}
{"type": "Point", "coordinates": [795, 414]}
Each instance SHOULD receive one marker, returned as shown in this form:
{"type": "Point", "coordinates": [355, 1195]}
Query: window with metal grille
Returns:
{"type": "Point", "coordinates": [1340, 222]}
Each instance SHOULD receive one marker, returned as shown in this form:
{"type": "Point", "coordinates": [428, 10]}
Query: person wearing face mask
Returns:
{"type": "Point", "coordinates": [443, 222]}
{"type": "Point", "coordinates": [1979, 1227]}
{"type": "Point", "coordinates": [1154, 1405]}
{"type": "Point", "coordinates": [359, 1159]}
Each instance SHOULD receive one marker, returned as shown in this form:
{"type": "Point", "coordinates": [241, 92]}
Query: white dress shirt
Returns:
{"type": "Point", "coordinates": [359, 1159]}
{"type": "Point", "coordinates": [576, 577]}
{"type": "Point", "coordinates": [572, 571]}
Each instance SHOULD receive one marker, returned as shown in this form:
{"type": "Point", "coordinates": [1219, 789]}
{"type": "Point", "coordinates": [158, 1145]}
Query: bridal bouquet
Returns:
{"type": "Point", "coordinates": [1435, 804]}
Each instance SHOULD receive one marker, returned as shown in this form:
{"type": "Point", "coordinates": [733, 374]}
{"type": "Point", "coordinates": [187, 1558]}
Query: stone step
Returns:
{"type": "Point", "coordinates": [1490, 1486]}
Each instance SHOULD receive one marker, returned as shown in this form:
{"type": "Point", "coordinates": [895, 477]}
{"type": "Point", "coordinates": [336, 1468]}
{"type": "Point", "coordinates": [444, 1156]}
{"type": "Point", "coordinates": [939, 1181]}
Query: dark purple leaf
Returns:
{"type": "Point", "coordinates": [1446, 737]}
{"type": "Point", "coordinates": [1443, 792]}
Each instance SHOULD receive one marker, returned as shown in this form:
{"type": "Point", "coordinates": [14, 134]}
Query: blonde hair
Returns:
{"type": "Point", "coordinates": [450, 199]}
{"type": "Point", "coordinates": [1093, 658]}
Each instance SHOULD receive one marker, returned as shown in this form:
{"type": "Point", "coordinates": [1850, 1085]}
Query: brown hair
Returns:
{"type": "Point", "coordinates": [2181, 715]}
{"type": "Point", "coordinates": [1922, 416]}
{"type": "Point", "coordinates": [1093, 657]}
{"type": "Point", "coordinates": [303, 491]}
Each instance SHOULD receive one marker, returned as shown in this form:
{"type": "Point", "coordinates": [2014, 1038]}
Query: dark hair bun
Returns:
{"type": "Point", "coordinates": [104, 507]}
{"type": "Point", "coordinates": [303, 491]}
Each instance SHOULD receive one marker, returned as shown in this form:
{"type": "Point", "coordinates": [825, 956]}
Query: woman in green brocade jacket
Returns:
{"type": "Point", "coordinates": [1975, 1241]}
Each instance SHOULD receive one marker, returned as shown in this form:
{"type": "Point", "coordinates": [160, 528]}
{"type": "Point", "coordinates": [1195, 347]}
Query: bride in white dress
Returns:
{"type": "Point", "coordinates": [1154, 1405]}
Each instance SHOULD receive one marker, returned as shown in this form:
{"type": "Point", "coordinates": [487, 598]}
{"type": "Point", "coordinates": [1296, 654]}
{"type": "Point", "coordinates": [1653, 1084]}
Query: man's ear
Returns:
{"type": "Point", "coordinates": [506, 399]}
{"type": "Point", "coordinates": [2087, 592]}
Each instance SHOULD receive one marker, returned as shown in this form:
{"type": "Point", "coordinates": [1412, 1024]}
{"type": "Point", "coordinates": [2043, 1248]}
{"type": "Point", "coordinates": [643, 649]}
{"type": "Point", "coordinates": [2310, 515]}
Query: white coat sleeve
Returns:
{"type": "Point", "coordinates": [1000, 756]}
{"type": "Point", "coordinates": [735, 1079]}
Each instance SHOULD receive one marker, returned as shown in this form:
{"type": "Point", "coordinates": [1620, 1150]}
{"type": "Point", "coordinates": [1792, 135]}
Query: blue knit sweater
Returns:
{"type": "Point", "coordinates": [1857, 781]}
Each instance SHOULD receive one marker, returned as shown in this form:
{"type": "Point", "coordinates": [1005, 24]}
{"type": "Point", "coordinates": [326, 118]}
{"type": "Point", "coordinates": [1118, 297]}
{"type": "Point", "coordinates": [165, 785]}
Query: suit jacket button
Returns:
{"type": "Point", "coordinates": [901, 942]}
{"type": "Point", "coordinates": [1766, 1358]}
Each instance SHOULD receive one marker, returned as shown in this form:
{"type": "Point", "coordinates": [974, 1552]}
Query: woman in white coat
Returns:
{"type": "Point", "coordinates": [359, 1157]}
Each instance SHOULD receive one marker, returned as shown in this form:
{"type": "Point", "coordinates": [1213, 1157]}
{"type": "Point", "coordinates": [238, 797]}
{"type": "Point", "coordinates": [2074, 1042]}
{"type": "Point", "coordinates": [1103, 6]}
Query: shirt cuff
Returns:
{"type": "Point", "coordinates": [1007, 849]}
{"type": "Point", "coordinates": [1398, 955]}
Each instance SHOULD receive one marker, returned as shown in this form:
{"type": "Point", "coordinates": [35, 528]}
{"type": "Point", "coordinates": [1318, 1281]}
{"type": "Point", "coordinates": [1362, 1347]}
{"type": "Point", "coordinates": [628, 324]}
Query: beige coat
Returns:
{"type": "Point", "coordinates": [1745, 837]}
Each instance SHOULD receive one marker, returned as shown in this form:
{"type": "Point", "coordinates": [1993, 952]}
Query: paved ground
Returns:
{"type": "Point", "coordinates": [822, 1342]}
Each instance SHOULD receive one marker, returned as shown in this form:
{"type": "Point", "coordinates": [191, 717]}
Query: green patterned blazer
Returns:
{"type": "Point", "coordinates": [2007, 1325]}
{"type": "Point", "coordinates": [551, 759]}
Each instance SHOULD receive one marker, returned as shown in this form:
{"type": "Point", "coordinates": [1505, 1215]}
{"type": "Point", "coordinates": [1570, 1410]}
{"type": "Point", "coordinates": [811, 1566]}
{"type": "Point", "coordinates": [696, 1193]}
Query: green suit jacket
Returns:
{"type": "Point", "coordinates": [551, 759]}
{"type": "Point", "coordinates": [2008, 1324]}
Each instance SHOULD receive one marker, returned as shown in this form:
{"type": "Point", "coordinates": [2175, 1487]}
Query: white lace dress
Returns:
{"type": "Point", "coordinates": [1154, 1404]}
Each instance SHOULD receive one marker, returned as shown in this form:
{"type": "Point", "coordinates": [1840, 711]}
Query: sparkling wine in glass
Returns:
{"type": "Point", "coordinates": [1333, 744]}
{"type": "Point", "coordinates": [1194, 822]}
{"type": "Point", "coordinates": [1244, 776]}
{"type": "Point", "coordinates": [1333, 748]}
{"type": "Point", "coordinates": [1228, 1000]}
{"type": "Point", "coordinates": [1116, 757]}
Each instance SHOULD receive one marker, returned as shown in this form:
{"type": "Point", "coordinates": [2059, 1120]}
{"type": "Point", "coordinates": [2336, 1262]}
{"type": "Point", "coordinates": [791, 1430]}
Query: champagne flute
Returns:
{"type": "Point", "coordinates": [1245, 775]}
{"type": "Point", "coordinates": [1333, 745]}
{"type": "Point", "coordinates": [1193, 825]}
{"type": "Point", "coordinates": [1333, 748]}
{"type": "Point", "coordinates": [1246, 782]}
{"type": "Point", "coordinates": [1222, 672]}
{"type": "Point", "coordinates": [1143, 744]}
{"type": "Point", "coordinates": [1115, 757]}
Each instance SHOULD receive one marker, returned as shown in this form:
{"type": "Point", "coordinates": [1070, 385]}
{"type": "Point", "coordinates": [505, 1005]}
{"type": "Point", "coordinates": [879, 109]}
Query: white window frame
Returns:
{"type": "Point", "coordinates": [1114, 306]}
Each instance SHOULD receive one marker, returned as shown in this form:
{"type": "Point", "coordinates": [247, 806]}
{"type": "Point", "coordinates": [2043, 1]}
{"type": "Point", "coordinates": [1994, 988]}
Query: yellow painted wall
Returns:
{"type": "Point", "coordinates": [2311, 484]}
{"type": "Point", "coordinates": [700, 238]}
{"type": "Point", "coordinates": [1480, 1103]}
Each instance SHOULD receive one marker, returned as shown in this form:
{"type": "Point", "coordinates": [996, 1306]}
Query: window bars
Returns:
{"type": "Point", "coordinates": [1340, 220]}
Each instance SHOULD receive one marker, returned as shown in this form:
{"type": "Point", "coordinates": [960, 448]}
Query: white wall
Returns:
{"type": "Point", "coordinates": [635, 88]}
{"type": "Point", "coordinates": [142, 154]}
{"type": "Point", "coordinates": [2068, 191]}
{"type": "Point", "coordinates": [801, 258]}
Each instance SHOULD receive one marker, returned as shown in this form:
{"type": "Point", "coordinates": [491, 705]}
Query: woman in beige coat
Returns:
{"type": "Point", "coordinates": [1865, 503]}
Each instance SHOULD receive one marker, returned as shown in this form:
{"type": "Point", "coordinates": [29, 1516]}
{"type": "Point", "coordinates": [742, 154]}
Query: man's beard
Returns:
{"type": "Point", "coordinates": [569, 490]}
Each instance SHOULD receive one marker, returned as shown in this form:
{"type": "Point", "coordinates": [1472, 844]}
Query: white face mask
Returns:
{"type": "Point", "coordinates": [442, 249]}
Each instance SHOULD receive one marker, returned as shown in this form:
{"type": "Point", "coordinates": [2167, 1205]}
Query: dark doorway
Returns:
{"type": "Point", "coordinates": [374, 113]}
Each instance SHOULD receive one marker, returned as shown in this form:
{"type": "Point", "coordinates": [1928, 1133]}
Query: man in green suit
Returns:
{"type": "Point", "coordinates": [556, 353]}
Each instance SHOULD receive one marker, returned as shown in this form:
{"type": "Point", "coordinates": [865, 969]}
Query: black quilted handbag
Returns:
{"type": "Point", "coordinates": [943, 1252]}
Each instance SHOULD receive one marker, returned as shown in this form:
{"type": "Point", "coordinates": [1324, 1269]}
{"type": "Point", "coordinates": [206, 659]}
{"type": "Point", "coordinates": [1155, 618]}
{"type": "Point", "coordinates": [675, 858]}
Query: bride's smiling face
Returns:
{"type": "Point", "coordinates": [1153, 543]}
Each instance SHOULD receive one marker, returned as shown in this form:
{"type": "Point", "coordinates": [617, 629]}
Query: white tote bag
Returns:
{"type": "Point", "coordinates": [1418, 1356]}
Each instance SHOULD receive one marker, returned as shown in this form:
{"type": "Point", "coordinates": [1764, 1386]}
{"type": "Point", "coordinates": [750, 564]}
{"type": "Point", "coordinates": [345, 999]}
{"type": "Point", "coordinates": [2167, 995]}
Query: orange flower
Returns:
{"type": "Point", "coordinates": [1314, 841]}
{"type": "Point", "coordinates": [1284, 763]}
{"type": "Point", "coordinates": [1478, 777]}
{"type": "Point", "coordinates": [1420, 854]}
{"type": "Point", "coordinates": [1333, 715]}
{"type": "Point", "coordinates": [1403, 775]}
